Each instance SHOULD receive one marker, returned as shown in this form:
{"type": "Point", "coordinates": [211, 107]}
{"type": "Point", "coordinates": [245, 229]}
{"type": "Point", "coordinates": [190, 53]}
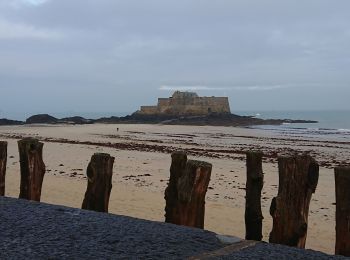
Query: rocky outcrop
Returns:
{"type": "Point", "coordinates": [48, 119]}
{"type": "Point", "coordinates": [41, 119]}
{"type": "Point", "coordinates": [75, 120]}
{"type": "Point", "coordinates": [108, 120]}
{"type": "Point", "coordinates": [231, 120]}
{"type": "Point", "coordinates": [213, 120]}
{"type": "Point", "coordinates": [5, 121]}
{"type": "Point", "coordinates": [137, 118]}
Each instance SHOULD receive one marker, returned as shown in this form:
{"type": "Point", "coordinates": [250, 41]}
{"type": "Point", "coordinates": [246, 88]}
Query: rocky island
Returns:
{"type": "Point", "coordinates": [187, 108]}
{"type": "Point", "coordinates": [182, 108]}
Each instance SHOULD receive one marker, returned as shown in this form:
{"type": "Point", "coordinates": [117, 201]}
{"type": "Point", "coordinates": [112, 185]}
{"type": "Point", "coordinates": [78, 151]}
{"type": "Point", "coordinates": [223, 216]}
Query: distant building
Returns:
{"type": "Point", "coordinates": [187, 103]}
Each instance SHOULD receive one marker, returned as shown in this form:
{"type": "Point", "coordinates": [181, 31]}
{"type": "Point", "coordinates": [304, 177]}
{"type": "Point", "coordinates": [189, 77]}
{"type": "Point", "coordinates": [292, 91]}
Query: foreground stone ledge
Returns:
{"type": "Point", "coordinates": [260, 250]}
{"type": "Point", "coordinates": [33, 230]}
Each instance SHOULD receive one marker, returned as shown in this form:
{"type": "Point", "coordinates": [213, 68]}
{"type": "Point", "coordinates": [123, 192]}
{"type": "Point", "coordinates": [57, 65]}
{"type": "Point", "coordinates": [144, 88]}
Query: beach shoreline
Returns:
{"type": "Point", "coordinates": [142, 163]}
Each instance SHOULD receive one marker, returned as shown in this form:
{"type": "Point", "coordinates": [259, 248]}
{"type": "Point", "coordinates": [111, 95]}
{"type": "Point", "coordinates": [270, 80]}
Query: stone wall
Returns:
{"type": "Point", "coordinates": [149, 110]}
{"type": "Point", "coordinates": [188, 103]}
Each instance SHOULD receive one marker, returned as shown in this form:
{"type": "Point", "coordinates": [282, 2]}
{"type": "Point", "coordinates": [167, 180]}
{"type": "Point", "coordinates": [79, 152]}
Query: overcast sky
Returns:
{"type": "Point", "coordinates": [112, 56]}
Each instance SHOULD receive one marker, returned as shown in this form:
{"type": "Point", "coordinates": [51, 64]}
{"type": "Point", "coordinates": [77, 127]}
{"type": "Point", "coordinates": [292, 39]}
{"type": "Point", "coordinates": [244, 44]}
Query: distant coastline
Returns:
{"type": "Point", "coordinates": [136, 118]}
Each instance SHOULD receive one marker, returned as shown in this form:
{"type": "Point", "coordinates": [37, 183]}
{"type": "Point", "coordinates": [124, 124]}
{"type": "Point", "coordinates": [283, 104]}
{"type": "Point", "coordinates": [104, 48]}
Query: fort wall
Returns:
{"type": "Point", "coordinates": [188, 103]}
{"type": "Point", "coordinates": [149, 110]}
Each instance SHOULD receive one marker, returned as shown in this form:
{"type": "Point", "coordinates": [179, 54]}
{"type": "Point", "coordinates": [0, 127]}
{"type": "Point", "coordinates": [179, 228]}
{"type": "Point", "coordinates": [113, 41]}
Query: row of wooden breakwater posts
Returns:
{"type": "Point", "coordinates": [188, 184]}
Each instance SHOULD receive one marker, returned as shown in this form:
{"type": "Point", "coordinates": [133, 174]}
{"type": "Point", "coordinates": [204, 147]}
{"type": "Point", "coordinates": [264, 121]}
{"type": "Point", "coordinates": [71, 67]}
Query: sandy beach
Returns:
{"type": "Point", "coordinates": [142, 162]}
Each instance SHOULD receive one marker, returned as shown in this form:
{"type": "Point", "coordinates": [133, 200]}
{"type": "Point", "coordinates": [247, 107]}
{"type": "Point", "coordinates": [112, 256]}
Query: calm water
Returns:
{"type": "Point", "coordinates": [330, 123]}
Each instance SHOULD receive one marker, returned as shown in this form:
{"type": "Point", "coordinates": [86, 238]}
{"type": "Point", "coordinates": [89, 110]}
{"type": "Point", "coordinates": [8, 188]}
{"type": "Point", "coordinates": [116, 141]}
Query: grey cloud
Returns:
{"type": "Point", "coordinates": [10, 30]}
{"type": "Point", "coordinates": [127, 49]}
{"type": "Point", "coordinates": [244, 88]}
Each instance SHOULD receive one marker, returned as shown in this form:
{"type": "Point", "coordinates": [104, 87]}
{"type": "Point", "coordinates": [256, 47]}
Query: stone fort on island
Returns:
{"type": "Point", "coordinates": [187, 103]}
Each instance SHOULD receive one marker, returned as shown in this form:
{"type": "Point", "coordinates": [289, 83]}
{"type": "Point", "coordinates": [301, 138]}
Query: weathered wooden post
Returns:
{"type": "Point", "coordinates": [298, 178]}
{"type": "Point", "coordinates": [32, 168]}
{"type": "Point", "coordinates": [185, 194]}
{"type": "Point", "coordinates": [3, 160]}
{"type": "Point", "coordinates": [99, 174]}
{"type": "Point", "coordinates": [342, 193]}
{"type": "Point", "coordinates": [177, 168]}
{"type": "Point", "coordinates": [255, 181]}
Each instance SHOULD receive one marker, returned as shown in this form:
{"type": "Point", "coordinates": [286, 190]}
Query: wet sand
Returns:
{"type": "Point", "coordinates": [141, 170]}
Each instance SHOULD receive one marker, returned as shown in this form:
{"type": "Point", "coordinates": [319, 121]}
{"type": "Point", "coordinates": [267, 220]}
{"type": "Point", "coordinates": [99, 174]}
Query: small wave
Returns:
{"type": "Point", "coordinates": [297, 128]}
{"type": "Point", "coordinates": [327, 129]}
{"type": "Point", "coordinates": [343, 130]}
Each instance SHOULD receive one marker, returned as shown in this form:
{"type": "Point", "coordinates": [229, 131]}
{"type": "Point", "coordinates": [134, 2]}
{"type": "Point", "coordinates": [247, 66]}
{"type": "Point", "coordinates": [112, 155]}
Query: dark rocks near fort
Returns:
{"type": "Point", "coordinates": [213, 120]}
{"type": "Point", "coordinates": [47, 119]}
{"type": "Point", "coordinates": [136, 118]}
{"type": "Point", "coordinates": [41, 119]}
{"type": "Point", "coordinates": [4, 121]}
{"type": "Point", "coordinates": [183, 108]}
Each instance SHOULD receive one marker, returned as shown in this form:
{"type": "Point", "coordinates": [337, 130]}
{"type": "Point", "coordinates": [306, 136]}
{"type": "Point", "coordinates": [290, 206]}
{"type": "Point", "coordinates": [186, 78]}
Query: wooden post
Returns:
{"type": "Point", "coordinates": [298, 178]}
{"type": "Point", "coordinates": [3, 160]}
{"type": "Point", "coordinates": [32, 168]}
{"type": "Point", "coordinates": [342, 192]}
{"type": "Point", "coordinates": [178, 165]}
{"type": "Point", "coordinates": [185, 194]}
{"type": "Point", "coordinates": [254, 185]}
{"type": "Point", "coordinates": [99, 174]}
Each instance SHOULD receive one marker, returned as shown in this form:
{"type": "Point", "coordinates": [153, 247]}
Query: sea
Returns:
{"type": "Point", "coordinates": [333, 124]}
